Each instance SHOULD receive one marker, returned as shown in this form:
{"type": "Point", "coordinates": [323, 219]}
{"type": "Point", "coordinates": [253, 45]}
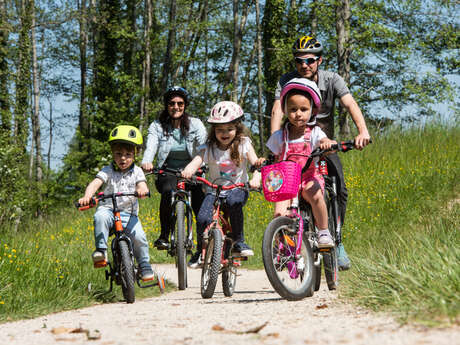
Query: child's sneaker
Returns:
{"type": "Point", "coordinates": [99, 257]}
{"type": "Point", "coordinates": [325, 240]}
{"type": "Point", "coordinates": [243, 249]}
{"type": "Point", "coordinates": [195, 260]}
{"type": "Point", "coordinates": [147, 274]}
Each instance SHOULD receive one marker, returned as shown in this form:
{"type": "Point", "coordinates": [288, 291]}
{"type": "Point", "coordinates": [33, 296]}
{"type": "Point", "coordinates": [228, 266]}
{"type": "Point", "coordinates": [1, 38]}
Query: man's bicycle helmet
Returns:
{"type": "Point", "coordinates": [307, 45]}
{"type": "Point", "coordinates": [305, 85]}
{"type": "Point", "coordinates": [175, 91]}
{"type": "Point", "coordinates": [126, 134]}
{"type": "Point", "coordinates": [225, 112]}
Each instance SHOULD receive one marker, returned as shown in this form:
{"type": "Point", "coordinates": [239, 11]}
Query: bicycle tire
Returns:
{"type": "Point", "coordinates": [181, 252]}
{"type": "Point", "coordinates": [229, 279]}
{"type": "Point", "coordinates": [330, 260]}
{"type": "Point", "coordinates": [317, 274]}
{"type": "Point", "coordinates": [211, 264]}
{"type": "Point", "coordinates": [126, 272]}
{"type": "Point", "coordinates": [278, 254]}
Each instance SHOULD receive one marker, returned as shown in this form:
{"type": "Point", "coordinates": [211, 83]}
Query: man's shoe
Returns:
{"type": "Point", "coordinates": [242, 249]}
{"type": "Point", "coordinates": [195, 260]}
{"type": "Point", "coordinates": [342, 258]}
{"type": "Point", "coordinates": [161, 244]}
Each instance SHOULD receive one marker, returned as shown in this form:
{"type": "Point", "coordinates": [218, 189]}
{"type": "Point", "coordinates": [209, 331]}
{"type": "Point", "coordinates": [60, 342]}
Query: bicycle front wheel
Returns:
{"type": "Point", "coordinates": [181, 252]}
{"type": "Point", "coordinates": [290, 275]}
{"type": "Point", "coordinates": [211, 264]}
{"type": "Point", "coordinates": [126, 272]}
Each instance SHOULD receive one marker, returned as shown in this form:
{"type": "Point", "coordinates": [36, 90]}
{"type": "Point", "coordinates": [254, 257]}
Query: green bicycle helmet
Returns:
{"type": "Point", "coordinates": [126, 134]}
{"type": "Point", "coordinates": [307, 45]}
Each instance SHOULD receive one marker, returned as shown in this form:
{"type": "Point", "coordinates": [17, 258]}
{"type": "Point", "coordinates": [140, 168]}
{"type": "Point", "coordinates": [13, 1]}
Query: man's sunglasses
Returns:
{"type": "Point", "coordinates": [307, 61]}
{"type": "Point", "coordinates": [172, 104]}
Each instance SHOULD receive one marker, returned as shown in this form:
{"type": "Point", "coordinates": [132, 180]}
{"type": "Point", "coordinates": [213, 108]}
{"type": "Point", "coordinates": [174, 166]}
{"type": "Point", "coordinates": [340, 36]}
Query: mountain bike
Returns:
{"type": "Point", "coordinates": [290, 252]}
{"type": "Point", "coordinates": [122, 269]}
{"type": "Point", "coordinates": [181, 239]}
{"type": "Point", "coordinates": [218, 256]}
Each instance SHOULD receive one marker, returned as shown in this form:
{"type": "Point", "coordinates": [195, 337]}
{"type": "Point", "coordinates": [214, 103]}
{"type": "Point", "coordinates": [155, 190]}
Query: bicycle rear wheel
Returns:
{"type": "Point", "coordinates": [126, 272]}
{"type": "Point", "coordinates": [330, 260]}
{"type": "Point", "coordinates": [211, 264]}
{"type": "Point", "coordinates": [181, 252]}
{"type": "Point", "coordinates": [291, 276]}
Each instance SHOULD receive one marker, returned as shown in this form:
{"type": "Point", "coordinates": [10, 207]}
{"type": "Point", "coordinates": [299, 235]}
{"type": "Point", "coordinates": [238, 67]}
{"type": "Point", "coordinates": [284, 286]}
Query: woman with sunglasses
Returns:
{"type": "Point", "coordinates": [173, 138]}
{"type": "Point", "coordinates": [307, 53]}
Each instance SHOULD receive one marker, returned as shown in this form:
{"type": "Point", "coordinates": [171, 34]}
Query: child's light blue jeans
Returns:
{"type": "Point", "coordinates": [104, 220]}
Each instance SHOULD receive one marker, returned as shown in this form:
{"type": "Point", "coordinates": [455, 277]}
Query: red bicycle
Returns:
{"type": "Point", "coordinates": [218, 244]}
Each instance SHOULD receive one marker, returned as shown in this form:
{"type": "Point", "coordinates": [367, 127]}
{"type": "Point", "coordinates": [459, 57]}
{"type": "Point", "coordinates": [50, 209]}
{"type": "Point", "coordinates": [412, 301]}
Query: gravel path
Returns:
{"type": "Point", "coordinates": [183, 317]}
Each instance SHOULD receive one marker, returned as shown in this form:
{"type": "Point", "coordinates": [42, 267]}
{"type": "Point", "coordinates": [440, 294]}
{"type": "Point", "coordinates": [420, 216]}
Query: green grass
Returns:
{"type": "Point", "coordinates": [401, 233]}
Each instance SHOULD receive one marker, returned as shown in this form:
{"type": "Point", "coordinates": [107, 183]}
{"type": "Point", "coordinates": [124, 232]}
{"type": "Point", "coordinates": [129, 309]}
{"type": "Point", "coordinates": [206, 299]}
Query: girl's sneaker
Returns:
{"type": "Point", "coordinates": [99, 257]}
{"type": "Point", "coordinates": [243, 249]}
{"type": "Point", "coordinates": [325, 241]}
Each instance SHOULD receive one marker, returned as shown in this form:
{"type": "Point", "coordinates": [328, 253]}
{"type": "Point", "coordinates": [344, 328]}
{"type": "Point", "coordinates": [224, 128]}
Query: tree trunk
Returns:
{"type": "Point", "coordinates": [5, 113]}
{"type": "Point", "coordinates": [169, 47]}
{"type": "Point", "coordinates": [143, 117]}
{"type": "Point", "coordinates": [21, 127]}
{"type": "Point", "coordinates": [83, 121]}
{"type": "Point", "coordinates": [50, 142]}
{"type": "Point", "coordinates": [313, 18]}
{"type": "Point", "coordinates": [233, 71]}
{"type": "Point", "coordinates": [259, 80]}
{"type": "Point", "coordinates": [343, 14]}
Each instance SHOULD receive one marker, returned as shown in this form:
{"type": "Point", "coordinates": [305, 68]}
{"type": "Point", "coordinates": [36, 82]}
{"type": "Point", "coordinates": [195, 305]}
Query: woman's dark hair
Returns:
{"type": "Point", "coordinates": [166, 120]}
{"type": "Point", "coordinates": [241, 131]}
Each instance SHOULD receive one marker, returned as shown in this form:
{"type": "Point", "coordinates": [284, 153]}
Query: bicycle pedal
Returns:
{"type": "Point", "coordinates": [100, 264]}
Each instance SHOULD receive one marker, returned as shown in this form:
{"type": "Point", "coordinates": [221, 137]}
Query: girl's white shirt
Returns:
{"type": "Point", "coordinates": [221, 165]}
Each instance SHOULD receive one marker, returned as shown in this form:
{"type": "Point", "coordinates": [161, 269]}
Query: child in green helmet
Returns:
{"type": "Point", "coordinates": [123, 176]}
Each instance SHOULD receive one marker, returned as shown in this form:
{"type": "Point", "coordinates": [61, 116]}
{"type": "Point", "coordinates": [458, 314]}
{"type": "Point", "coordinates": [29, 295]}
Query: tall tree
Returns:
{"type": "Point", "coordinates": [5, 111]}
{"type": "Point", "coordinates": [170, 46]}
{"type": "Point", "coordinates": [343, 14]}
{"type": "Point", "coordinates": [21, 115]}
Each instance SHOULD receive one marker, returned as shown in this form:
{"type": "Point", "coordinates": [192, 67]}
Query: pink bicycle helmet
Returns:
{"type": "Point", "coordinates": [225, 112]}
{"type": "Point", "coordinates": [302, 84]}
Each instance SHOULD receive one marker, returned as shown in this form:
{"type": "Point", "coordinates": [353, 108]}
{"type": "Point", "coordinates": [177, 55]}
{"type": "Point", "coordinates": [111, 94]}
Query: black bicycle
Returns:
{"type": "Point", "coordinates": [181, 239]}
{"type": "Point", "coordinates": [122, 269]}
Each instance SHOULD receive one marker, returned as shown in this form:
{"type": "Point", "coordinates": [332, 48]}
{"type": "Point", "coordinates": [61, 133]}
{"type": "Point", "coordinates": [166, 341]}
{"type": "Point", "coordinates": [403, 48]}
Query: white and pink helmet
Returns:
{"type": "Point", "coordinates": [225, 112]}
{"type": "Point", "coordinates": [306, 85]}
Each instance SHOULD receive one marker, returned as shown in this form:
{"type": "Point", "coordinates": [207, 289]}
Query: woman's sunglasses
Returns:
{"type": "Point", "coordinates": [307, 61]}
{"type": "Point", "coordinates": [179, 104]}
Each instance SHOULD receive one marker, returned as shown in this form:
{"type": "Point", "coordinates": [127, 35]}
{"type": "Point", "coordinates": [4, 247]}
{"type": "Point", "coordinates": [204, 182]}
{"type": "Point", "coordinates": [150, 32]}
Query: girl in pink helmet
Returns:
{"type": "Point", "coordinates": [300, 100]}
{"type": "Point", "coordinates": [227, 152]}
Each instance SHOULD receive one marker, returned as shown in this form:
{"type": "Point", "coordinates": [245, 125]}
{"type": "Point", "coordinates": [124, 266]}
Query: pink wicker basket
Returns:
{"type": "Point", "coordinates": [281, 181]}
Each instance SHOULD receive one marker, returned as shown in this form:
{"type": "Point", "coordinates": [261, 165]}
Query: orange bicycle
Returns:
{"type": "Point", "coordinates": [122, 269]}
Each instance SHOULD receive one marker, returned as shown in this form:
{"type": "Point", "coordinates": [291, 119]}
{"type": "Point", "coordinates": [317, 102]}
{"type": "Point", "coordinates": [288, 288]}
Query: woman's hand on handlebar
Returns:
{"type": "Point", "coordinates": [147, 166]}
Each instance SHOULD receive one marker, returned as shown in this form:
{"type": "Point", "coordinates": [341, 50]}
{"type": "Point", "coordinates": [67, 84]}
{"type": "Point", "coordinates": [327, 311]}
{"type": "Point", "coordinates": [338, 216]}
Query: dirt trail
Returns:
{"type": "Point", "coordinates": [183, 317]}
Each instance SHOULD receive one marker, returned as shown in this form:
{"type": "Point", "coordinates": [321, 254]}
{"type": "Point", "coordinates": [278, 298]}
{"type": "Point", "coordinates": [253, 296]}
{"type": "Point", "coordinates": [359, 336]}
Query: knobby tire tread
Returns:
{"type": "Point", "coordinates": [126, 272]}
{"type": "Point", "coordinates": [181, 252]}
{"type": "Point", "coordinates": [211, 265]}
{"type": "Point", "coordinates": [330, 258]}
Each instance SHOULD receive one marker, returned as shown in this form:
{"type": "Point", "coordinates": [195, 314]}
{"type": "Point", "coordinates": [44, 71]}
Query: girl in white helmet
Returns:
{"type": "Point", "coordinates": [227, 152]}
{"type": "Point", "coordinates": [300, 102]}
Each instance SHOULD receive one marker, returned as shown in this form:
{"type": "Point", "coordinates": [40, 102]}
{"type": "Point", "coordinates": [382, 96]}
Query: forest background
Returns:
{"type": "Point", "coordinates": [115, 59]}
